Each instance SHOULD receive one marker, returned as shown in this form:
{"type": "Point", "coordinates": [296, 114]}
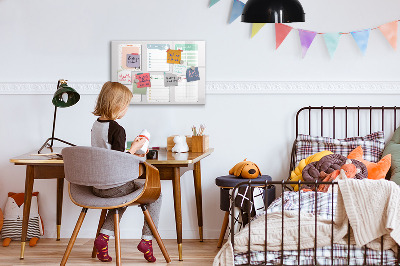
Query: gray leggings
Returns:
{"type": "Point", "coordinates": [154, 208]}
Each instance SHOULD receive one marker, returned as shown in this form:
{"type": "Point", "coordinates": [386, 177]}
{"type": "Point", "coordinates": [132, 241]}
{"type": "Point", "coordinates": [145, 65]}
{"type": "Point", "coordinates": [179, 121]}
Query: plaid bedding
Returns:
{"type": "Point", "coordinates": [323, 207]}
{"type": "Point", "coordinates": [372, 145]}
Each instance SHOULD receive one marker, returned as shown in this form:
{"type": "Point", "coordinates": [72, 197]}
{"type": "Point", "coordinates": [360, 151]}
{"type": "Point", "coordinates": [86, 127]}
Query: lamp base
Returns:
{"type": "Point", "coordinates": [50, 146]}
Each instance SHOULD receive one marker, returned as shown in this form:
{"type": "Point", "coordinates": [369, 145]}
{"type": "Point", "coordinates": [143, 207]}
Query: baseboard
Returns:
{"type": "Point", "coordinates": [231, 87]}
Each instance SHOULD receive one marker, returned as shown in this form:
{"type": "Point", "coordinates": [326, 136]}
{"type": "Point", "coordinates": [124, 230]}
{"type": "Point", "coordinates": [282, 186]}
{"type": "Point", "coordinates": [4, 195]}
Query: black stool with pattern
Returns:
{"type": "Point", "coordinates": [226, 183]}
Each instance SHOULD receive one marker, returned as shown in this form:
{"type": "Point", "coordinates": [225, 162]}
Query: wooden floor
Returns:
{"type": "Point", "coordinates": [50, 252]}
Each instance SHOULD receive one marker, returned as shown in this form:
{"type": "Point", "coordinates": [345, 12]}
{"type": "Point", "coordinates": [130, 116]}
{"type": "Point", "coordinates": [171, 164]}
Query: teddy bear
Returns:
{"type": "Point", "coordinates": [13, 215]}
{"type": "Point", "coordinates": [245, 169]}
{"type": "Point", "coordinates": [180, 144]}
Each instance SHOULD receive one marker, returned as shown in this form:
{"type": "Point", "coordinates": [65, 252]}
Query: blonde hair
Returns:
{"type": "Point", "coordinates": [112, 99]}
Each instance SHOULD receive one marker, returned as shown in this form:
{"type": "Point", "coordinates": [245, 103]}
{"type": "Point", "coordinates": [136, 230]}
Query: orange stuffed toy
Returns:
{"type": "Point", "coordinates": [375, 170]}
{"type": "Point", "coordinates": [347, 170]}
{"type": "Point", "coordinates": [245, 169]}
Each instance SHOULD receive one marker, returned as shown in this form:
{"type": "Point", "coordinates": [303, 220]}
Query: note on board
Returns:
{"type": "Point", "coordinates": [136, 90]}
{"type": "Point", "coordinates": [133, 60]}
{"type": "Point", "coordinates": [144, 80]}
{"type": "Point", "coordinates": [190, 53]}
{"type": "Point", "coordinates": [174, 56]}
{"type": "Point", "coordinates": [170, 80]}
{"type": "Point", "coordinates": [192, 74]}
{"type": "Point", "coordinates": [157, 57]}
{"type": "Point", "coordinates": [125, 77]}
{"type": "Point", "coordinates": [179, 70]}
{"type": "Point", "coordinates": [158, 93]}
{"type": "Point", "coordinates": [124, 50]}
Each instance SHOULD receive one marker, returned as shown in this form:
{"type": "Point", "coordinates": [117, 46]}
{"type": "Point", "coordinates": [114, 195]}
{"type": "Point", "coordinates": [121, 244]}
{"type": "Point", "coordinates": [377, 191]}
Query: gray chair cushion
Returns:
{"type": "Point", "coordinates": [99, 167]}
{"type": "Point", "coordinates": [84, 196]}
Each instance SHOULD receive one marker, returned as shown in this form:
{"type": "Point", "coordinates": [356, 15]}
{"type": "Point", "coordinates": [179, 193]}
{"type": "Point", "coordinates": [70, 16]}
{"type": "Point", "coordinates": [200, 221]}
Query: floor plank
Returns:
{"type": "Point", "coordinates": [49, 252]}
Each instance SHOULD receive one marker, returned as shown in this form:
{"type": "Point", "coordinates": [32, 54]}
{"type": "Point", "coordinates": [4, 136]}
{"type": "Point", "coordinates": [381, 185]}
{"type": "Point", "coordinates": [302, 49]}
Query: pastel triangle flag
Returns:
{"type": "Point", "coordinates": [237, 9]}
{"type": "Point", "coordinates": [332, 41]}
{"type": "Point", "coordinates": [213, 2]}
{"type": "Point", "coordinates": [256, 27]}
{"type": "Point", "coordinates": [281, 31]}
{"type": "Point", "coordinates": [361, 37]}
{"type": "Point", "coordinates": [306, 39]}
{"type": "Point", "coordinates": [389, 30]}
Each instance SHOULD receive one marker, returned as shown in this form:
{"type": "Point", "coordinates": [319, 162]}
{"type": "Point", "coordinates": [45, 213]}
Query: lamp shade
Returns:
{"type": "Point", "coordinates": [273, 11]}
{"type": "Point", "coordinates": [65, 96]}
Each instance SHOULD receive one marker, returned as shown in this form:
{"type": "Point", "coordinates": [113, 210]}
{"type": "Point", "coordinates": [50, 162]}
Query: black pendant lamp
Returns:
{"type": "Point", "coordinates": [273, 11]}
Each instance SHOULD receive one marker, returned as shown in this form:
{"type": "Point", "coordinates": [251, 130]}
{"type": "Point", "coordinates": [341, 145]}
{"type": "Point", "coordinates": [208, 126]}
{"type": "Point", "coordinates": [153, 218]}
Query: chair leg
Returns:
{"type": "Point", "coordinates": [223, 229]}
{"type": "Point", "coordinates": [154, 230]}
{"type": "Point", "coordinates": [101, 222]}
{"type": "Point", "coordinates": [117, 239]}
{"type": "Point", "coordinates": [73, 237]}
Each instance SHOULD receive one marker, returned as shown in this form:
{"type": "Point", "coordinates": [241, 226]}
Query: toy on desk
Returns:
{"type": "Point", "coordinates": [180, 144]}
{"type": "Point", "coordinates": [144, 134]}
{"type": "Point", "coordinates": [245, 169]}
{"type": "Point", "coordinates": [13, 215]}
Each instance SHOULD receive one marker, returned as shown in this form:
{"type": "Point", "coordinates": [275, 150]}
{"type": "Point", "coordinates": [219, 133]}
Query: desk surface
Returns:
{"type": "Point", "coordinates": [164, 157]}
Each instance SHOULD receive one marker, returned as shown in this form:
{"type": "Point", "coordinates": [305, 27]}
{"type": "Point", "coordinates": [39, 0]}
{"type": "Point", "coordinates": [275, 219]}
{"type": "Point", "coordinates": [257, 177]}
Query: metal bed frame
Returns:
{"type": "Point", "coordinates": [283, 184]}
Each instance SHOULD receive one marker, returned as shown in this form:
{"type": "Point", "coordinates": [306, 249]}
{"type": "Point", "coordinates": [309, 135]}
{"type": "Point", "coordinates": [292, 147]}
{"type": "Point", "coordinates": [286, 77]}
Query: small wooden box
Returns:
{"type": "Point", "coordinates": [200, 143]}
{"type": "Point", "coordinates": [171, 143]}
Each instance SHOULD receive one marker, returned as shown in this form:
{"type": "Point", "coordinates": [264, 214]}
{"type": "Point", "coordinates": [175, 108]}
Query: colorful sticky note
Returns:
{"type": "Point", "coordinates": [179, 69]}
{"type": "Point", "coordinates": [133, 60]}
{"type": "Point", "coordinates": [192, 74]}
{"type": "Point", "coordinates": [125, 77]}
{"type": "Point", "coordinates": [174, 56]}
{"type": "Point", "coordinates": [137, 90]}
{"type": "Point", "coordinates": [170, 80]}
{"type": "Point", "coordinates": [144, 80]}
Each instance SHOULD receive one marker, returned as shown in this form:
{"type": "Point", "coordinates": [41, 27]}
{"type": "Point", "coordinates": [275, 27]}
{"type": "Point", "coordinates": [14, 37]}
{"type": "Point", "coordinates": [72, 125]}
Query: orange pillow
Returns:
{"type": "Point", "coordinates": [375, 170]}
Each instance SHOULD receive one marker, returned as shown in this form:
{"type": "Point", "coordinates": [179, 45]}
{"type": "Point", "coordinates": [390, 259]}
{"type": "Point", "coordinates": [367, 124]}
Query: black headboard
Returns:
{"type": "Point", "coordinates": [343, 122]}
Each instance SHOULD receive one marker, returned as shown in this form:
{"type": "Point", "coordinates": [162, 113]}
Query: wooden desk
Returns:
{"type": "Point", "coordinates": [171, 167]}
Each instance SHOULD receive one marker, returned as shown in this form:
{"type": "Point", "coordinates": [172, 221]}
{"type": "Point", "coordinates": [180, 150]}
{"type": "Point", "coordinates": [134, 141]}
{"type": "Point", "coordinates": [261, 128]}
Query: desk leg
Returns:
{"type": "Point", "coordinates": [60, 190]}
{"type": "Point", "coordinates": [27, 206]}
{"type": "Point", "coordinates": [197, 189]}
{"type": "Point", "coordinates": [176, 182]}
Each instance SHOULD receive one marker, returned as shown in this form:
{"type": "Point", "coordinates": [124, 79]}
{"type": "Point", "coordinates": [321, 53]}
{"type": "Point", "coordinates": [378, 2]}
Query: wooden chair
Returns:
{"type": "Point", "coordinates": [85, 167]}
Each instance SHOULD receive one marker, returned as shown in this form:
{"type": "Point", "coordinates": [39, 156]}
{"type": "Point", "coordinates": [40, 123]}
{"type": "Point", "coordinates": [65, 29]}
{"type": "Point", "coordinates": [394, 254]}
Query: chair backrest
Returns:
{"type": "Point", "coordinates": [91, 166]}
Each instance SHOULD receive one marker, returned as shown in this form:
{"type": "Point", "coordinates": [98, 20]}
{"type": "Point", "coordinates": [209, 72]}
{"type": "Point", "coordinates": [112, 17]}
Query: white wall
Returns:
{"type": "Point", "coordinates": [42, 41]}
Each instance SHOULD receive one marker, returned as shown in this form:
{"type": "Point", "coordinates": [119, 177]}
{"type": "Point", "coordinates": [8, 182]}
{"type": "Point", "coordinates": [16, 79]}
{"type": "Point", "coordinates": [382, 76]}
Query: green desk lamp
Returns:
{"type": "Point", "coordinates": [65, 96]}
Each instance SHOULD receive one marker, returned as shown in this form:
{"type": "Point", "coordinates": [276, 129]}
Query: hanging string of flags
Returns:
{"type": "Point", "coordinates": [361, 37]}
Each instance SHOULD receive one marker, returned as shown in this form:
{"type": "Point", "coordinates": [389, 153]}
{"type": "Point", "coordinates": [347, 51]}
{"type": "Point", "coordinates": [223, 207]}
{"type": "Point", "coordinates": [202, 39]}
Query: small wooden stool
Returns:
{"type": "Point", "coordinates": [226, 183]}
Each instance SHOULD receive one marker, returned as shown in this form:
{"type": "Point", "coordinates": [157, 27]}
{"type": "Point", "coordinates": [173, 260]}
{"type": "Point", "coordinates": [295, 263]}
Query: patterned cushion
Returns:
{"type": "Point", "coordinates": [372, 144]}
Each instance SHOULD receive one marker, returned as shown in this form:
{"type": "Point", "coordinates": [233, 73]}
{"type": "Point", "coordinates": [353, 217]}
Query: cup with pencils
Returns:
{"type": "Point", "coordinates": [199, 140]}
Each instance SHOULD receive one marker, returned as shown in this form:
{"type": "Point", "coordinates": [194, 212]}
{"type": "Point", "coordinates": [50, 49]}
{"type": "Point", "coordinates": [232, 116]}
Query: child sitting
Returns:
{"type": "Point", "coordinates": [112, 103]}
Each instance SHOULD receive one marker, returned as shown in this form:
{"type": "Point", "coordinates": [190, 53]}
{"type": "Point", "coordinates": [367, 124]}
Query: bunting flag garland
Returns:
{"type": "Point", "coordinates": [256, 27]}
{"type": "Point", "coordinates": [237, 9]}
{"type": "Point", "coordinates": [361, 37]}
{"type": "Point", "coordinates": [389, 30]}
{"type": "Point", "coordinates": [306, 39]}
{"type": "Point", "coordinates": [213, 2]}
{"type": "Point", "coordinates": [332, 41]}
{"type": "Point", "coordinates": [281, 31]}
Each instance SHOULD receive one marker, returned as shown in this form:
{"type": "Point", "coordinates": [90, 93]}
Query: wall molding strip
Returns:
{"type": "Point", "coordinates": [232, 87]}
